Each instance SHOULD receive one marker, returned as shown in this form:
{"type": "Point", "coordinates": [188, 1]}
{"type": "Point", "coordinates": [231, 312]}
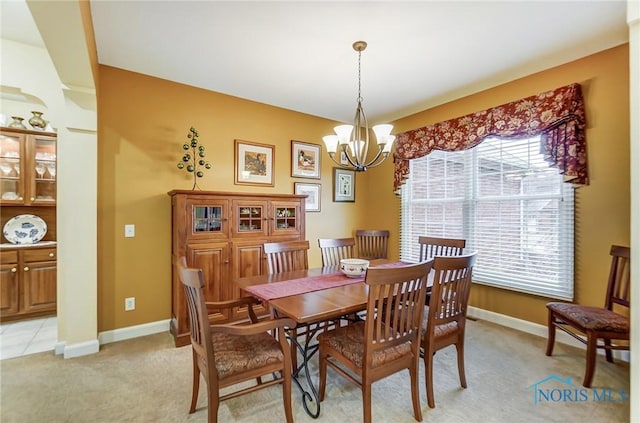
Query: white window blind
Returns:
{"type": "Point", "coordinates": [507, 202]}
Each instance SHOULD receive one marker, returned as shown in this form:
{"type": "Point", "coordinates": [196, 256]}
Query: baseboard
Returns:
{"type": "Point", "coordinates": [534, 329]}
{"type": "Point", "coordinates": [133, 331]}
{"type": "Point", "coordinates": [59, 347]}
{"type": "Point", "coordinates": [80, 349]}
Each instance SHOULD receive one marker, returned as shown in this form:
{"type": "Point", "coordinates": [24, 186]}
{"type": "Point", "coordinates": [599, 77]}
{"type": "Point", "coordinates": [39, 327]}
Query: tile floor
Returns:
{"type": "Point", "coordinates": [28, 337]}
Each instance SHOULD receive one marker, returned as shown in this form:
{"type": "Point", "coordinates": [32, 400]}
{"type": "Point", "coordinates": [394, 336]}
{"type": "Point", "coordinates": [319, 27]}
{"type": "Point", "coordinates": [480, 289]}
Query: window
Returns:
{"type": "Point", "coordinates": [507, 202]}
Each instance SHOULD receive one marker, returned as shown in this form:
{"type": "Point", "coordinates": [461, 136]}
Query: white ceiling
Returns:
{"type": "Point", "coordinates": [298, 55]}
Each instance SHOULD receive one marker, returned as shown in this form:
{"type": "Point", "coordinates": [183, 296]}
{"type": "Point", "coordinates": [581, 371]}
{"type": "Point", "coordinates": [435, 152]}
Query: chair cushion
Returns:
{"type": "Point", "coordinates": [236, 354]}
{"type": "Point", "coordinates": [440, 330]}
{"type": "Point", "coordinates": [349, 341]}
{"type": "Point", "coordinates": [590, 318]}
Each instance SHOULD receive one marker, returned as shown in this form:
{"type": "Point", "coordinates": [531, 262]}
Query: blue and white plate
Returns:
{"type": "Point", "coordinates": [25, 229]}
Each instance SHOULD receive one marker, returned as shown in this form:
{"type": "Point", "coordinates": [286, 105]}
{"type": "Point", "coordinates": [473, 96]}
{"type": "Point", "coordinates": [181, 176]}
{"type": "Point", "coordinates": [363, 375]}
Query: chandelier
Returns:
{"type": "Point", "coordinates": [352, 141]}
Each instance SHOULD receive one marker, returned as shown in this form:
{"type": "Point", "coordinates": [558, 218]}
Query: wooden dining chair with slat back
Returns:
{"type": "Point", "coordinates": [596, 327]}
{"type": "Point", "coordinates": [335, 249]}
{"type": "Point", "coordinates": [372, 244]}
{"type": "Point", "coordinates": [227, 355]}
{"type": "Point", "coordinates": [388, 341]}
{"type": "Point", "coordinates": [288, 256]}
{"type": "Point", "coordinates": [432, 246]}
{"type": "Point", "coordinates": [445, 316]}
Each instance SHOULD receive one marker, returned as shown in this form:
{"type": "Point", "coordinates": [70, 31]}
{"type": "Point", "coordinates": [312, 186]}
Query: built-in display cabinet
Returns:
{"type": "Point", "coordinates": [28, 168]}
{"type": "Point", "coordinates": [222, 234]}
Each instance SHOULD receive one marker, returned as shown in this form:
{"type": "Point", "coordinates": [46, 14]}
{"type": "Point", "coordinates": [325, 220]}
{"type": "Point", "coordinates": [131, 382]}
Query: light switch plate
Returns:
{"type": "Point", "coordinates": [129, 231]}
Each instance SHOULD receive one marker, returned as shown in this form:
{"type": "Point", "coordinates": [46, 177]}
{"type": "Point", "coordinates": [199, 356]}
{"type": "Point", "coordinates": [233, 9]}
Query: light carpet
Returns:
{"type": "Point", "coordinates": [147, 379]}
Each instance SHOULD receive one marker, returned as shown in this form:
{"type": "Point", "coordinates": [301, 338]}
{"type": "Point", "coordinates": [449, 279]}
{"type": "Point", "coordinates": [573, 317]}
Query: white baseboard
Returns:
{"type": "Point", "coordinates": [59, 347]}
{"type": "Point", "coordinates": [133, 331]}
{"type": "Point", "coordinates": [81, 348]}
{"type": "Point", "coordinates": [534, 329]}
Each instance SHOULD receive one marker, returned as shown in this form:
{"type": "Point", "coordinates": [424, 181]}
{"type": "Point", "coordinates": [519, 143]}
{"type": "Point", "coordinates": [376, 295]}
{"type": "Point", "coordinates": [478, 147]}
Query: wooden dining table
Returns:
{"type": "Point", "coordinates": [312, 298]}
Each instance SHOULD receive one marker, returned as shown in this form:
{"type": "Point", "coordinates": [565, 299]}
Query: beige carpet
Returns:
{"type": "Point", "coordinates": [148, 380]}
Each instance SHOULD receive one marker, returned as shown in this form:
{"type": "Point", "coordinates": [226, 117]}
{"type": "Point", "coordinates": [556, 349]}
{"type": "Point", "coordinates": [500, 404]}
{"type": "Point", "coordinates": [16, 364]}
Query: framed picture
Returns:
{"type": "Point", "coordinates": [305, 160]}
{"type": "Point", "coordinates": [312, 191]}
{"type": "Point", "coordinates": [254, 163]}
{"type": "Point", "coordinates": [344, 185]}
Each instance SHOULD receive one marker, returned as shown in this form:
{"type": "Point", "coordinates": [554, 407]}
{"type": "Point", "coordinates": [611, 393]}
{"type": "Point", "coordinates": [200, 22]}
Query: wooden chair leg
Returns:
{"type": "Point", "coordinates": [214, 402]}
{"type": "Point", "coordinates": [322, 359]}
{"type": "Point", "coordinates": [294, 350]}
{"type": "Point", "coordinates": [551, 337]}
{"type": "Point", "coordinates": [591, 360]}
{"type": "Point", "coordinates": [428, 367]}
{"type": "Point", "coordinates": [415, 390]}
{"type": "Point", "coordinates": [286, 394]}
{"type": "Point", "coordinates": [607, 351]}
{"type": "Point", "coordinates": [460, 350]}
{"type": "Point", "coordinates": [366, 401]}
{"type": "Point", "coordinates": [196, 384]}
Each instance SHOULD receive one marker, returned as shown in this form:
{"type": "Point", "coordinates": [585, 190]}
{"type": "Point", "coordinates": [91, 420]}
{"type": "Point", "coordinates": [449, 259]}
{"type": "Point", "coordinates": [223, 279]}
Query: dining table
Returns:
{"type": "Point", "coordinates": [315, 299]}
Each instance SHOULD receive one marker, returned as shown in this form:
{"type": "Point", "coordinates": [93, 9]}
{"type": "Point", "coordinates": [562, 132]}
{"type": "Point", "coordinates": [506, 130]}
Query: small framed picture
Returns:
{"type": "Point", "coordinates": [305, 160]}
{"type": "Point", "coordinates": [313, 193]}
{"type": "Point", "coordinates": [344, 185]}
{"type": "Point", "coordinates": [343, 158]}
{"type": "Point", "coordinates": [254, 163]}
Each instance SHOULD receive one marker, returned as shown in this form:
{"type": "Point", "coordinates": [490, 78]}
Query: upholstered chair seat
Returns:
{"type": "Point", "coordinates": [592, 318]}
{"type": "Point", "coordinates": [237, 354]}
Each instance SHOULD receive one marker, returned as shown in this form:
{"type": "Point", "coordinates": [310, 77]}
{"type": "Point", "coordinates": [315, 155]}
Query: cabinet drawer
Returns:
{"type": "Point", "coordinates": [39, 254]}
{"type": "Point", "coordinates": [9, 256]}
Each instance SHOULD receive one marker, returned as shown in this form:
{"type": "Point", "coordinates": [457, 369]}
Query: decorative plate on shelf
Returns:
{"type": "Point", "coordinates": [25, 229]}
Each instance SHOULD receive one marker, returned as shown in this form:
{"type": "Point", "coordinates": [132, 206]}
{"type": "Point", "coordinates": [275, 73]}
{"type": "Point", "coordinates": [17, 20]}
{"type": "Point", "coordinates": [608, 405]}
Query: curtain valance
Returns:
{"type": "Point", "coordinates": [558, 116]}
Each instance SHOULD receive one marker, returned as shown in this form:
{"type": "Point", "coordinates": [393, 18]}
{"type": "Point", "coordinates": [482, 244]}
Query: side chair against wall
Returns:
{"type": "Point", "coordinates": [387, 341]}
{"type": "Point", "coordinates": [226, 355]}
{"type": "Point", "coordinates": [288, 256]}
{"type": "Point", "coordinates": [445, 316]}
{"type": "Point", "coordinates": [431, 247]}
{"type": "Point", "coordinates": [336, 249]}
{"type": "Point", "coordinates": [589, 324]}
{"type": "Point", "coordinates": [372, 244]}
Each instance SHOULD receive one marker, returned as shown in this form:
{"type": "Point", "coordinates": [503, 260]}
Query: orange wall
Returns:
{"type": "Point", "coordinates": [143, 122]}
{"type": "Point", "coordinates": [602, 208]}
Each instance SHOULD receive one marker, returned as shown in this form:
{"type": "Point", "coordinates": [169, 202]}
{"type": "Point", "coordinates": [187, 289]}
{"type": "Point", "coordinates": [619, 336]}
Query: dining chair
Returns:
{"type": "Point", "coordinates": [445, 316]}
{"type": "Point", "coordinates": [286, 256]}
{"type": "Point", "coordinates": [372, 244]}
{"type": "Point", "coordinates": [227, 355]}
{"type": "Point", "coordinates": [432, 246]}
{"type": "Point", "coordinates": [590, 324]}
{"type": "Point", "coordinates": [335, 249]}
{"type": "Point", "coordinates": [387, 341]}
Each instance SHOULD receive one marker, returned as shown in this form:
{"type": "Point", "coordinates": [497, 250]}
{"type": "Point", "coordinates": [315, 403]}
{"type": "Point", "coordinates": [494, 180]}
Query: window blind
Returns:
{"type": "Point", "coordinates": [510, 206]}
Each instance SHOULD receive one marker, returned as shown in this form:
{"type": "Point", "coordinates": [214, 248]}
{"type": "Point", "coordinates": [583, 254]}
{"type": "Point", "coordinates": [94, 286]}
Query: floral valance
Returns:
{"type": "Point", "coordinates": [558, 116]}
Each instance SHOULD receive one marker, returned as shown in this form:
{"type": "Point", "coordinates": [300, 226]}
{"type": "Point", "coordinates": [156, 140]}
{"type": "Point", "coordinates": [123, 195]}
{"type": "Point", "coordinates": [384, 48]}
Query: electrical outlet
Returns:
{"type": "Point", "coordinates": [129, 231]}
{"type": "Point", "coordinates": [129, 303]}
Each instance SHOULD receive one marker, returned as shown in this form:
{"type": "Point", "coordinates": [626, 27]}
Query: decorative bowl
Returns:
{"type": "Point", "coordinates": [354, 268]}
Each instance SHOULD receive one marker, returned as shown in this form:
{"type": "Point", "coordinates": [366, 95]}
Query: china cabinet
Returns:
{"type": "Point", "coordinates": [28, 168]}
{"type": "Point", "coordinates": [27, 282]}
{"type": "Point", "coordinates": [222, 233]}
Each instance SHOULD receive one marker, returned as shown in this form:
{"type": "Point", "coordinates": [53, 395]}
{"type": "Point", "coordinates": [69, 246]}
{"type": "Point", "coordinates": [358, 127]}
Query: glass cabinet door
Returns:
{"type": "Point", "coordinates": [207, 219]}
{"type": "Point", "coordinates": [45, 170]}
{"type": "Point", "coordinates": [286, 217]}
{"type": "Point", "coordinates": [11, 167]}
{"type": "Point", "coordinates": [250, 219]}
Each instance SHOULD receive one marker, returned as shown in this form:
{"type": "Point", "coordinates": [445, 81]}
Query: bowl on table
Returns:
{"type": "Point", "coordinates": [353, 267]}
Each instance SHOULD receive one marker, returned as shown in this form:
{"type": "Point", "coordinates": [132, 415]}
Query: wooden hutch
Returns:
{"type": "Point", "coordinates": [222, 233]}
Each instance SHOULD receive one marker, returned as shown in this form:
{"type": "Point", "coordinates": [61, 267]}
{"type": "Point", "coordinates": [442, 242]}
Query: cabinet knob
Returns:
{"type": "Point", "coordinates": [14, 270]}
{"type": "Point", "coordinates": [226, 262]}
{"type": "Point", "coordinates": [50, 254]}
{"type": "Point", "coordinates": [26, 268]}
{"type": "Point", "coordinates": [33, 199]}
